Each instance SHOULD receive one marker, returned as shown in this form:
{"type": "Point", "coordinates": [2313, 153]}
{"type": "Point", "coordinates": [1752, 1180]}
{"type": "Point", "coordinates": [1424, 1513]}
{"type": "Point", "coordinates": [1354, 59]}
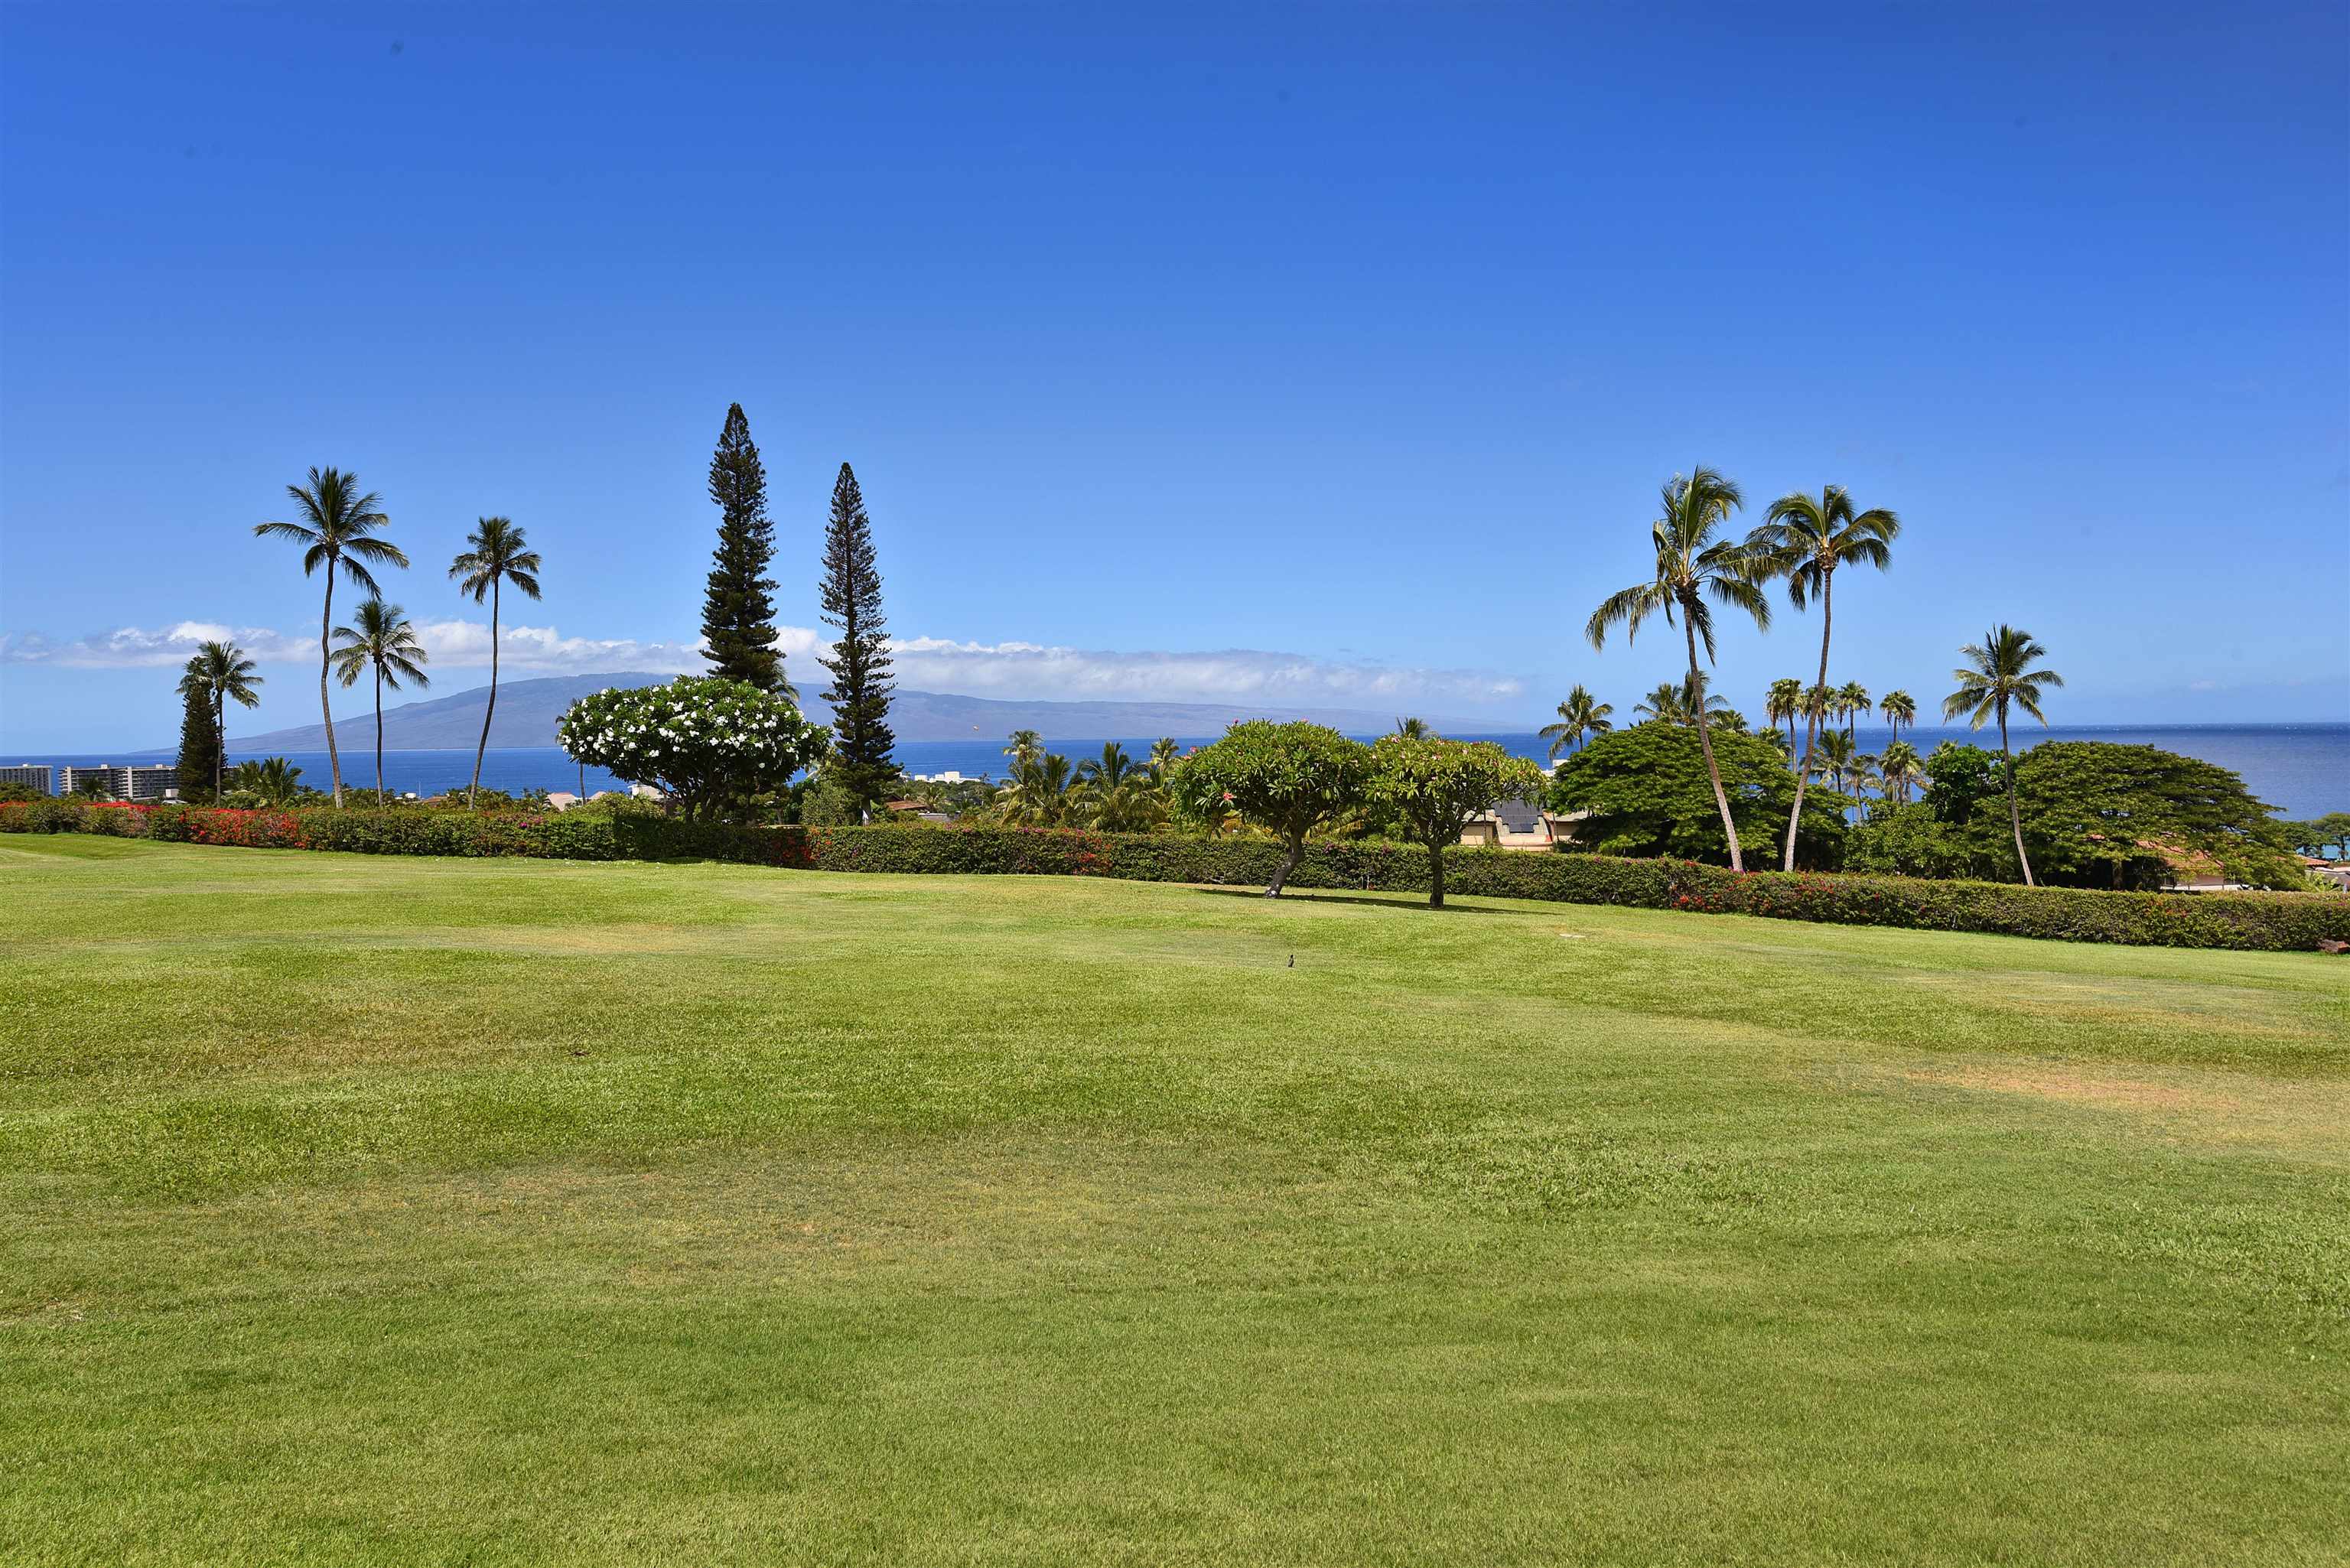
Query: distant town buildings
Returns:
{"type": "Point", "coordinates": [136, 781]}
{"type": "Point", "coordinates": [39, 776]}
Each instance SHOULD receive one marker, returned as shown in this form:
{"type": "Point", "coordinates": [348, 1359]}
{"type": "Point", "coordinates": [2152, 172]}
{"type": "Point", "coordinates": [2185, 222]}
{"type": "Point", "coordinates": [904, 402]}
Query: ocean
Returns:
{"type": "Point", "coordinates": [2302, 770]}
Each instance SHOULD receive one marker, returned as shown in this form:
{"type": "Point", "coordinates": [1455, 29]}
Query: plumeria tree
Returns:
{"type": "Point", "coordinates": [1288, 778]}
{"type": "Point", "coordinates": [1435, 786]}
{"type": "Point", "coordinates": [704, 739]}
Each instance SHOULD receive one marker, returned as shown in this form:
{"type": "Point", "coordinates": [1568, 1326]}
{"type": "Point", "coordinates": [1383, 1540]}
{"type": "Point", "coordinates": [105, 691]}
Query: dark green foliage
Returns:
{"type": "Point", "coordinates": [1648, 793]}
{"type": "Point", "coordinates": [1912, 841]}
{"type": "Point", "coordinates": [860, 765]}
{"type": "Point", "coordinates": [1959, 778]}
{"type": "Point", "coordinates": [1288, 778]}
{"type": "Point", "coordinates": [2100, 814]}
{"type": "Point", "coordinates": [738, 617]}
{"type": "Point", "coordinates": [2330, 832]}
{"type": "Point", "coordinates": [13, 793]}
{"type": "Point", "coordinates": [1434, 786]}
{"type": "Point", "coordinates": [200, 743]}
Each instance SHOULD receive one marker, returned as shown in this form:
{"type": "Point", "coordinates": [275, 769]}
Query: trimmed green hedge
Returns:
{"type": "Point", "coordinates": [2273, 921]}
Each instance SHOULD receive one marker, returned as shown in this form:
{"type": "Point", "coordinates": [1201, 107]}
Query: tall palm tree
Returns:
{"type": "Point", "coordinates": [1810, 536]}
{"type": "Point", "coordinates": [1852, 700]}
{"type": "Point", "coordinates": [1835, 755]}
{"type": "Point", "coordinates": [1581, 714]}
{"type": "Point", "coordinates": [1784, 703]}
{"type": "Point", "coordinates": [1998, 672]}
{"type": "Point", "coordinates": [499, 555]}
{"type": "Point", "coordinates": [1900, 767]}
{"type": "Point", "coordinates": [339, 528]}
{"type": "Point", "coordinates": [222, 672]}
{"type": "Point", "coordinates": [1692, 567]}
{"type": "Point", "coordinates": [1900, 709]}
{"type": "Point", "coordinates": [384, 643]}
{"type": "Point", "coordinates": [1025, 747]}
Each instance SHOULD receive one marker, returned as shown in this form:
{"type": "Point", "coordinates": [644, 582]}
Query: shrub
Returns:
{"type": "Point", "coordinates": [2271, 921]}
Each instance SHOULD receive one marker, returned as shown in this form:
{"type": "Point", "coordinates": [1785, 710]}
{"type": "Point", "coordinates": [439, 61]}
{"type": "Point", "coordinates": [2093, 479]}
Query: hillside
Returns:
{"type": "Point", "coordinates": [529, 710]}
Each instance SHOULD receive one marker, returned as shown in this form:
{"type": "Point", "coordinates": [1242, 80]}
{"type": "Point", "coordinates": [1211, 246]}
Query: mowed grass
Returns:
{"type": "Point", "coordinates": [444, 1211]}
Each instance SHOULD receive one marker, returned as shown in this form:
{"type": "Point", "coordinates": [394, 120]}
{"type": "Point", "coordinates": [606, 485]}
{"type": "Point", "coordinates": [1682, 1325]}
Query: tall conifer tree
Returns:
{"type": "Point", "coordinates": [859, 664]}
{"type": "Point", "coordinates": [199, 737]}
{"type": "Point", "coordinates": [738, 617]}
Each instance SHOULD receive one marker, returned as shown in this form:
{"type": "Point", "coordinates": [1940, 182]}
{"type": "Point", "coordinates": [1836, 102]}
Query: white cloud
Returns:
{"type": "Point", "coordinates": [1010, 669]}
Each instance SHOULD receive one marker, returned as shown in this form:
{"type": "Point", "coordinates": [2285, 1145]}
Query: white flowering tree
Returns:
{"type": "Point", "coordinates": [702, 739]}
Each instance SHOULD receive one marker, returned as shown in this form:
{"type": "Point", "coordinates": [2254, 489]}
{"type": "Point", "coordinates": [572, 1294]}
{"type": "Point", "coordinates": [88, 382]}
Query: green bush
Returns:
{"type": "Point", "coordinates": [2275, 921]}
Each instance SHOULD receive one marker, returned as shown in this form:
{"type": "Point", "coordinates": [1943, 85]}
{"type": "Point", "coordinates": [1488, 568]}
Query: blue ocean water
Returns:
{"type": "Point", "coordinates": [2302, 770]}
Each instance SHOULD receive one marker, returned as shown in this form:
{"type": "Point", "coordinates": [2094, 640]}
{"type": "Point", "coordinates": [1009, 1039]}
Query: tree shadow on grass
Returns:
{"type": "Point", "coordinates": [1323, 895]}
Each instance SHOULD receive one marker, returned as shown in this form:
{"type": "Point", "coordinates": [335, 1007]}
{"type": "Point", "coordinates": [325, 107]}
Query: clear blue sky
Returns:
{"type": "Point", "coordinates": [1329, 353]}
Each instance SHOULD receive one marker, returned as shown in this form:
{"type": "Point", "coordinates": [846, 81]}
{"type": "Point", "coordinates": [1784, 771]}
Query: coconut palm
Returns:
{"type": "Point", "coordinates": [1997, 673]}
{"type": "Point", "coordinates": [222, 674]}
{"type": "Point", "coordinates": [1037, 794]}
{"type": "Point", "coordinates": [1835, 756]}
{"type": "Point", "coordinates": [1692, 567]}
{"type": "Point", "coordinates": [499, 555]}
{"type": "Point", "coordinates": [1025, 747]}
{"type": "Point", "coordinates": [384, 643]}
{"type": "Point", "coordinates": [274, 780]}
{"type": "Point", "coordinates": [1901, 768]}
{"type": "Point", "coordinates": [1414, 729]}
{"type": "Point", "coordinates": [339, 528]}
{"type": "Point", "coordinates": [1809, 537]}
{"type": "Point", "coordinates": [1118, 793]}
{"type": "Point", "coordinates": [1784, 703]}
{"type": "Point", "coordinates": [1851, 699]}
{"type": "Point", "coordinates": [1669, 704]}
{"type": "Point", "coordinates": [1164, 754]}
{"type": "Point", "coordinates": [1900, 709]}
{"type": "Point", "coordinates": [1581, 714]}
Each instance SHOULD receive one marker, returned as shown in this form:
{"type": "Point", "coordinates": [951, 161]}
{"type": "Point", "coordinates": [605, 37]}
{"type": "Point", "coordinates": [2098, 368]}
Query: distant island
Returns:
{"type": "Point", "coordinates": [528, 710]}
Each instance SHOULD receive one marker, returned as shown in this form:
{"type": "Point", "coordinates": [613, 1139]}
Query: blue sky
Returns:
{"type": "Point", "coordinates": [1326, 354]}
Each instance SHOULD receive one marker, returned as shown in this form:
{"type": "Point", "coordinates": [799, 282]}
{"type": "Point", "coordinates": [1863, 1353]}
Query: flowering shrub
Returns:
{"type": "Point", "coordinates": [700, 738]}
{"type": "Point", "coordinates": [2269, 921]}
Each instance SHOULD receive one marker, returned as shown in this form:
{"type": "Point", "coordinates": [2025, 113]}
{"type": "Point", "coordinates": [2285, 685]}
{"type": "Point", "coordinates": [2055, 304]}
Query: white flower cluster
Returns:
{"type": "Point", "coordinates": [695, 734]}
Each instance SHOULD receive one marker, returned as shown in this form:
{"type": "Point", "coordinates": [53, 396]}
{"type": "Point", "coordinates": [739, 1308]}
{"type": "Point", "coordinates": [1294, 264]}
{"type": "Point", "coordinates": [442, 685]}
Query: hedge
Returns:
{"type": "Point", "coordinates": [2266, 921]}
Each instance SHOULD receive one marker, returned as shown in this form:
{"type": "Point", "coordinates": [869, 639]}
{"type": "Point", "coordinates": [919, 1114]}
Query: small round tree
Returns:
{"type": "Point", "coordinates": [703, 738]}
{"type": "Point", "coordinates": [1434, 786]}
{"type": "Point", "coordinates": [1288, 778]}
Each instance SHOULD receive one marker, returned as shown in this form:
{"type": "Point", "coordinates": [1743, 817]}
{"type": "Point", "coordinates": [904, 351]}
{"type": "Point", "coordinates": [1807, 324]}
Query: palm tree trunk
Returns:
{"type": "Point", "coordinates": [487, 713]}
{"type": "Point", "coordinates": [378, 735]}
{"type": "Point", "coordinates": [2014, 819]}
{"type": "Point", "coordinates": [325, 619]}
{"type": "Point", "coordinates": [220, 736]}
{"type": "Point", "coordinates": [1811, 717]}
{"type": "Point", "coordinates": [1705, 743]}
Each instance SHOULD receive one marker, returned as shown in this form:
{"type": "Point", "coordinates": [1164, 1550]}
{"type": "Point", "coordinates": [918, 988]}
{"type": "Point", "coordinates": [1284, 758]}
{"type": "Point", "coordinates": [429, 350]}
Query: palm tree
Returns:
{"type": "Point", "coordinates": [499, 555]}
{"type": "Point", "coordinates": [1581, 714]}
{"type": "Point", "coordinates": [1038, 792]}
{"type": "Point", "coordinates": [1025, 748]}
{"type": "Point", "coordinates": [384, 643]}
{"type": "Point", "coordinates": [1900, 707]}
{"type": "Point", "coordinates": [1118, 793]}
{"type": "Point", "coordinates": [1414, 729]}
{"type": "Point", "coordinates": [1785, 702]}
{"type": "Point", "coordinates": [1998, 672]}
{"type": "Point", "coordinates": [1835, 755]}
{"type": "Point", "coordinates": [1692, 567]}
{"type": "Point", "coordinates": [1164, 754]}
{"type": "Point", "coordinates": [1667, 704]}
{"type": "Point", "coordinates": [1852, 699]}
{"type": "Point", "coordinates": [1900, 766]}
{"type": "Point", "coordinates": [222, 672]}
{"type": "Point", "coordinates": [1810, 536]}
{"type": "Point", "coordinates": [337, 529]}
{"type": "Point", "coordinates": [274, 780]}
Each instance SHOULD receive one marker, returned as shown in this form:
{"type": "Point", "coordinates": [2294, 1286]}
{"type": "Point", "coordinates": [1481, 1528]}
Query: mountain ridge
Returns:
{"type": "Point", "coordinates": [527, 712]}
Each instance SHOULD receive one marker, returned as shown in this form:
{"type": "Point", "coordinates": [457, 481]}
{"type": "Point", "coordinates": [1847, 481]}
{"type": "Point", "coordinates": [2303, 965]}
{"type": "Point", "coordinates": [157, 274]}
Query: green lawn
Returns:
{"type": "Point", "coordinates": [489, 1212]}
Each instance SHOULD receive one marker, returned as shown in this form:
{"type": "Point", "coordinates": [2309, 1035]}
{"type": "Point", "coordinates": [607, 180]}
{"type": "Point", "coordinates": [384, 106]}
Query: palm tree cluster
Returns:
{"type": "Point", "coordinates": [339, 527]}
{"type": "Point", "coordinates": [1112, 793]}
{"type": "Point", "coordinates": [1802, 541]}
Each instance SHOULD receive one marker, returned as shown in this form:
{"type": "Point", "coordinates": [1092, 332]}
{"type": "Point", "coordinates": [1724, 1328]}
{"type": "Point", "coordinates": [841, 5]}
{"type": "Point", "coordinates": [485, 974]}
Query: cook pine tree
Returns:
{"type": "Point", "coordinates": [859, 662]}
{"type": "Point", "coordinates": [738, 613]}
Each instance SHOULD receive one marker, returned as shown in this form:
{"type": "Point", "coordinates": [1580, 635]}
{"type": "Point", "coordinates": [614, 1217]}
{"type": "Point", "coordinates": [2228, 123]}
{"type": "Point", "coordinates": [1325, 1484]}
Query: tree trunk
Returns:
{"type": "Point", "coordinates": [1705, 744]}
{"type": "Point", "coordinates": [488, 713]}
{"type": "Point", "coordinates": [220, 733]}
{"type": "Point", "coordinates": [1290, 849]}
{"type": "Point", "coordinates": [327, 619]}
{"type": "Point", "coordinates": [2014, 819]}
{"type": "Point", "coordinates": [1436, 874]}
{"type": "Point", "coordinates": [378, 735]}
{"type": "Point", "coordinates": [1811, 715]}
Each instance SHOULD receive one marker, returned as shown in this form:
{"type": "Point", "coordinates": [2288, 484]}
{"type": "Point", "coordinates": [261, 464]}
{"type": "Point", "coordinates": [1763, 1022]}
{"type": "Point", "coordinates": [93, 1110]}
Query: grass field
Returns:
{"type": "Point", "coordinates": [491, 1212]}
